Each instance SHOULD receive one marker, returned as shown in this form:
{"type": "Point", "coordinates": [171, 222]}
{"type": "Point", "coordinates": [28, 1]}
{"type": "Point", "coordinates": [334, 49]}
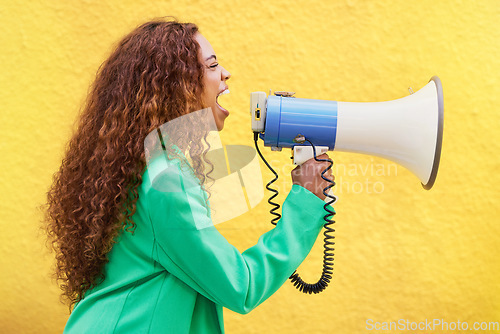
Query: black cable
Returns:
{"type": "Point", "coordinates": [327, 272]}
{"type": "Point", "coordinates": [275, 205]}
{"type": "Point", "coordinates": [328, 254]}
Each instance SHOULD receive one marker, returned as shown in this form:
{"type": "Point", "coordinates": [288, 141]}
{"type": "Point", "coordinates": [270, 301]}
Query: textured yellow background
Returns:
{"type": "Point", "coordinates": [402, 252]}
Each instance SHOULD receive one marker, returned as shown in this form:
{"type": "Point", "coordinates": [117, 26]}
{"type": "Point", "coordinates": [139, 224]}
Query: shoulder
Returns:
{"type": "Point", "coordinates": [169, 175]}
{"type": "Point", "coordinates": [174, 195]}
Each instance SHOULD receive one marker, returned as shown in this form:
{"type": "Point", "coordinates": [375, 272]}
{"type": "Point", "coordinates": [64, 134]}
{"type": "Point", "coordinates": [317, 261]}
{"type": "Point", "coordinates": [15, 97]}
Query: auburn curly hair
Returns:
{"type": "Point", "coordinates": [153, 76]}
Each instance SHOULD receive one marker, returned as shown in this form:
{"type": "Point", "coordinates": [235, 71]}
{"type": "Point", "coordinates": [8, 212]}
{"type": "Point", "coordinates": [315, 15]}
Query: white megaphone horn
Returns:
{"type": "Point", "coordinates": [408, 131]}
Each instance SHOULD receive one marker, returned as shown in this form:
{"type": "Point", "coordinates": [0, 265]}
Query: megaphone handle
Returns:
{"type": "Point", "coordinates": [301, 154]}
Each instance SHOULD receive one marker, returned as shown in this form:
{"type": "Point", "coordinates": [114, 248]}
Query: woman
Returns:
{"type": "Point", "coordinates": [129, 257]}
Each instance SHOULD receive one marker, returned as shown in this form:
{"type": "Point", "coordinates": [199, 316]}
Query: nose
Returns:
{"type": "Point", "coordinates": [225, 74]}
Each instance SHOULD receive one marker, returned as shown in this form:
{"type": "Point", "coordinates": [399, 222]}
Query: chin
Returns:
{"type": "Point", "coordinates": [220, 127]}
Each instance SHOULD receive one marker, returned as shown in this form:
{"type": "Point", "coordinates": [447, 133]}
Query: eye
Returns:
{"type": "Point", "coordinates": [214, 65]}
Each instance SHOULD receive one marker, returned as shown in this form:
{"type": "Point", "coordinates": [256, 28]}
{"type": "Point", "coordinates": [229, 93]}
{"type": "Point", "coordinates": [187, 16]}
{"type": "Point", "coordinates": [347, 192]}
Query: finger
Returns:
{"type": "Point", "coordinates": [323, 156]}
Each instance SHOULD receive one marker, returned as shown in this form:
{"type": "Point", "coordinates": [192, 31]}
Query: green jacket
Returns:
{"type": "Point", "coordinates": [176, 272]}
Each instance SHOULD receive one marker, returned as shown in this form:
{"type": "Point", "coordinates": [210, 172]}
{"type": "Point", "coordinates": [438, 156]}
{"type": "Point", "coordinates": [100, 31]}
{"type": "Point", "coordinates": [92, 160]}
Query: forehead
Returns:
{"type": "Point", "coordinates": [205, 47]}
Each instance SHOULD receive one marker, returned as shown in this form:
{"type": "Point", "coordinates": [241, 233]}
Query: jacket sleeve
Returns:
{"type": "Point", "coordinates": [191, 248]}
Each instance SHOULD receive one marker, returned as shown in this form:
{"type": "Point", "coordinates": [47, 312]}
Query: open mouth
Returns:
{"type": "Point", "coordinates": [224, 92]}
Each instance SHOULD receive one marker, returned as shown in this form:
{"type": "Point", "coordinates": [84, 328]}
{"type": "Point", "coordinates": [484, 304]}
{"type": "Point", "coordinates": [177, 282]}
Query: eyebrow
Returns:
{"type": "Point", "coordinates": [212, 56]}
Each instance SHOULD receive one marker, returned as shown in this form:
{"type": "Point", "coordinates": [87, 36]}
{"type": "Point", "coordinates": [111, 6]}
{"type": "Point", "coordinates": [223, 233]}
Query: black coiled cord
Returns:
{"type": "Point", "coordinates": [276, 206]}
{"type": "Point", "coordinates": [327, 273]}
{"type": "Point", "coordinates": [328, 254]}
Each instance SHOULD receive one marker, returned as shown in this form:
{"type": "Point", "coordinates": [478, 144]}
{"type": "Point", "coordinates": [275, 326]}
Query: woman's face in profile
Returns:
{"type": "Point", "coordinates": [214, 81]}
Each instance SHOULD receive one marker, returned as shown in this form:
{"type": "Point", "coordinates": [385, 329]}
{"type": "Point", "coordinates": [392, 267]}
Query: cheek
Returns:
{"type": "Point", "coordinates": [211, 88]}
{"type": "Point", "coordinates": [211, 83]}
{"type": "Point", "coordinates": [206, 88]}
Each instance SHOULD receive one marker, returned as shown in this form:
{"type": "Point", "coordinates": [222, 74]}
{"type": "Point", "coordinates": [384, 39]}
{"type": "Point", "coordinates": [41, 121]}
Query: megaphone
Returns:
{"type": "Point", "coordinates": [408, 131]}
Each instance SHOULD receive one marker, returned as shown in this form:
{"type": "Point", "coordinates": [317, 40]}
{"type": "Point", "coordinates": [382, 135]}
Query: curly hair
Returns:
{"type": "Point", "coordinates": [153, 76]}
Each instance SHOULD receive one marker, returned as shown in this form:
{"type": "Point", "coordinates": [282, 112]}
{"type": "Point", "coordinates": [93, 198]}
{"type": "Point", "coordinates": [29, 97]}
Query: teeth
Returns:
{"type": "Point", "coordinates": [224, 92]}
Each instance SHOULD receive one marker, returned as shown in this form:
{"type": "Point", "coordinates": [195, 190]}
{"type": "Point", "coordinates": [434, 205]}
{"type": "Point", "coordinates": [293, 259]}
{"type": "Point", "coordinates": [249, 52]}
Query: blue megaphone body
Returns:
{"type": "Point", "coordinates": [407, 131]}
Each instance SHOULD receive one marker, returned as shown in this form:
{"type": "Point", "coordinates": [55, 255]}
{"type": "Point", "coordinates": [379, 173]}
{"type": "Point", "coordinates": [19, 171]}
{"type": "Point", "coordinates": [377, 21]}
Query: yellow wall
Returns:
{"type": "Point", "coordinates": [401, 253]}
